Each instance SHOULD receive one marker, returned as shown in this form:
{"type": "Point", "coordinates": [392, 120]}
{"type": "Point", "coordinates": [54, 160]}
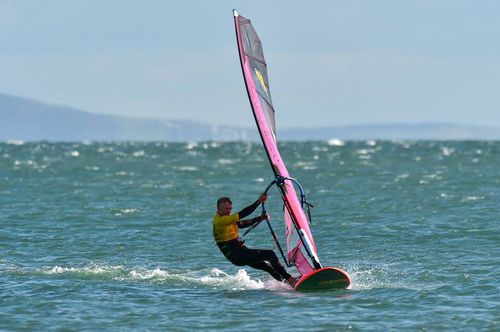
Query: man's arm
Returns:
{"type": "Point", "coordinates": [249, 209]}
{"type": "Point", "coordinates": [250, 222]}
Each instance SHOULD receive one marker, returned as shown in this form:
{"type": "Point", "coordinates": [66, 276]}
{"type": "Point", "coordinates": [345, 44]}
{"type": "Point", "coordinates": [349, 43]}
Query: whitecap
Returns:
{"type": "Point", "coordinates": [447, 151]}
{"type": "Point", "coordinates": [15, 142]}
{"type": "Point", "coordinates": [188, 168]}
{"type": "Point", "coordinates": [59, 270]}
{"type": "Point", "coordinates": [157, 274]}
{"type": "Point", "coordinates": [239, 281]}
{"type": "Point", "coordinates": [89, 269]}
{"type": "Point", "coordinates": [402, 177]}
{"type": "Point", "coordinates": [140, 153]}
{"type": "Point", "coordinates": [103, 149]}
{"type": "Point", "coordinates": [224, 161]}
{"type": "Point", "coordinates": [305, 165]}
{"type": "Point", "coordinates": [319, 149]}
{"type": "Point", "coordinates": [129, 210]}
{"type": "Point", "coordinates": [191, 145]}
{"type": "Point", "coordinates": [214, 277]}
{"type": "Point", "coordinates": [335, 142]}
{"type": "Point", "coordinates": [433, 176]}
{"type": "Point", "coordinates": [472, 198]}
{"type": "Point", "coordinates": [364, 151]}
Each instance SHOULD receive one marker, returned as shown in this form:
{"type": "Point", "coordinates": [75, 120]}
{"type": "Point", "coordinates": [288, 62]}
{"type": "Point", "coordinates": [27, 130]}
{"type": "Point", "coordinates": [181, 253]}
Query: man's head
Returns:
{"type": "Point", "coordinates": [224, 206]}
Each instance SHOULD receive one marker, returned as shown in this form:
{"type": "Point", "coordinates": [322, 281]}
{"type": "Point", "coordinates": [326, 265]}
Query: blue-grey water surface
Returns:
{"type": "Point", "coordinates": [117, 236]}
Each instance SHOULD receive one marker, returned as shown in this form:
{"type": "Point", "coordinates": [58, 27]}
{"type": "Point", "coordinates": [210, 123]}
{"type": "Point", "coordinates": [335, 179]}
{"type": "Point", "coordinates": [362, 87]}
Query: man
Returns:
{"type": "Point", "coordinates": [225, 228]}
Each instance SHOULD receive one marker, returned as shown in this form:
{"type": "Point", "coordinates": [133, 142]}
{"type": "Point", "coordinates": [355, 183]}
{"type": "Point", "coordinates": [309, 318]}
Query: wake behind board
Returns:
{"type": "Point", "coordinates": [323, 279]}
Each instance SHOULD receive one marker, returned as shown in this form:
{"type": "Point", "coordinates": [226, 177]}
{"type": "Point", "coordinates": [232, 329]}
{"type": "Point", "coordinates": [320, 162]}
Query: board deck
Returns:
{"type": "Point", "coordinates": [323, 279]}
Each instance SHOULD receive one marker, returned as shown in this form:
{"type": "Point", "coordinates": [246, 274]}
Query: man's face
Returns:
{"type": "Point", "coordinates": [224, 209]}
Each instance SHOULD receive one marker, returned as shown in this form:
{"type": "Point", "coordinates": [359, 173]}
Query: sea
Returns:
{"type": "Point", "coordinates": [117, 236]}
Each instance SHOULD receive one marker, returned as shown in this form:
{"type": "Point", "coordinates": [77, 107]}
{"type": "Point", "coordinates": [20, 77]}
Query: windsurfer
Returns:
{"type": "Point", "coordinates": [225, 229]}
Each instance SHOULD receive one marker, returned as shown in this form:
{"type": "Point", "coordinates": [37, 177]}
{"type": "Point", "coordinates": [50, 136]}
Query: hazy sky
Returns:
{"type": "Point", "coordinates": [330, 62]}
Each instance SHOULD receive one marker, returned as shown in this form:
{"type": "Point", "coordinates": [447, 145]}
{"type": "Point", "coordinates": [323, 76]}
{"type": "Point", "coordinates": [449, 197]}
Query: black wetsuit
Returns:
{"type": "Point", "coordinates": [238, 254]}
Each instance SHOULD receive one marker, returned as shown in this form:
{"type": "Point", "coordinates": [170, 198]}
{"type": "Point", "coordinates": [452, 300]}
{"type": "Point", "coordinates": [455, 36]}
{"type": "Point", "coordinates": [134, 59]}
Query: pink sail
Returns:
{"type": "Point", "coordinates": [301, 250]}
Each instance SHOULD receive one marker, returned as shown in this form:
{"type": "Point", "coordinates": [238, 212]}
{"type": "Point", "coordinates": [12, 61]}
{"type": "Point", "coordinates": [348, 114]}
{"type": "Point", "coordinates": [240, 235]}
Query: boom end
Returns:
{"type": "Point", "coordinates": [235, 13]}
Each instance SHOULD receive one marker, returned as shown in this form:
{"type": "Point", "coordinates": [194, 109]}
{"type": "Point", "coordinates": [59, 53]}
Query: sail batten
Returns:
{"type": "Point", "coordinates": [301, 250]}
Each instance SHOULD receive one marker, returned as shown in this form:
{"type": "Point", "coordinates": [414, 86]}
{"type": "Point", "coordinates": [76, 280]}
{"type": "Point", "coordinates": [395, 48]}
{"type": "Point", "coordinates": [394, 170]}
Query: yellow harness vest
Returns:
{"type": "Point", "coordinates": [225, 227]}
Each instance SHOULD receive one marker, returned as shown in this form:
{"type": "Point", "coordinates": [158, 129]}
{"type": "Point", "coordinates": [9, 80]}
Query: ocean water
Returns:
{"type": "Point", "coordinates": [117, 236]}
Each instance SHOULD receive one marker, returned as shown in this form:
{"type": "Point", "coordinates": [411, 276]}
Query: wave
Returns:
{"type": "Point", "coordinates": [210, 278]}
{"type": "Point", "coordinates": [364, 278]}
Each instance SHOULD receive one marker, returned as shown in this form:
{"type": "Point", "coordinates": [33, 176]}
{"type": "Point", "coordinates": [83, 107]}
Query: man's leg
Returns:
{"type": "Point", "coordinates": [265, 266]}
{"type": "Point", "coordinates": [251, 257]}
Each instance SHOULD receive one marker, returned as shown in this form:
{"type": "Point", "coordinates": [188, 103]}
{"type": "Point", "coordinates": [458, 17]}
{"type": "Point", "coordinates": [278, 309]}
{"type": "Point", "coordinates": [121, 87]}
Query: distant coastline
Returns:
{"type": "Point", "coordinates": [30, 120]}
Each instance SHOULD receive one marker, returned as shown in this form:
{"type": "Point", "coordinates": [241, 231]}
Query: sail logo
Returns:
{"type": "Point", "coordinates": [261, 80]}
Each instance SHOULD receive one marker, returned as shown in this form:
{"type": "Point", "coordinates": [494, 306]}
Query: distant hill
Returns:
{"type": "Point", "coordinates": [31, 120]}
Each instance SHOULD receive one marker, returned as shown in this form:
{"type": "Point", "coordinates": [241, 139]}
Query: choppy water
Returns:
{"type": "Point", "coordinates": [117, 236]}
